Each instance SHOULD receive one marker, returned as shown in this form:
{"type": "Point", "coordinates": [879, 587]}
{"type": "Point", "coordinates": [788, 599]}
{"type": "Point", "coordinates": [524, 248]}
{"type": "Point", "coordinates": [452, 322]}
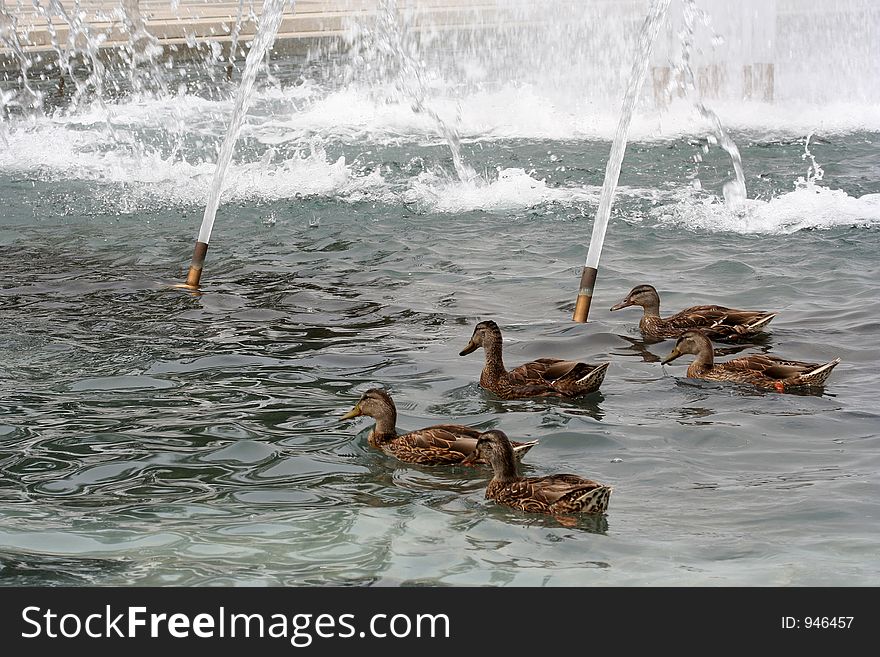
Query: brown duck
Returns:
{"type": "Point", "coordinates": [442, 444]}
{"type": "Point", "coordinates": [718, 322]}
{"type": "Point", "coordinates": [558, 494]}
{"type": "Point", "coordinates": [539, 378]}
{"type": "Point", "coordinates": [760, 370]}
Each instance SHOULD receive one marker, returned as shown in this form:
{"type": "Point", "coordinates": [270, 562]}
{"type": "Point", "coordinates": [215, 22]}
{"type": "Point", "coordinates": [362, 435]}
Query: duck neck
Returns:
{"type": "Point", "coordinates": [705, 357]}
{"type": "Point", "coordinates": [386, 426]}
{"type": "Point", "coordinates": [494, 368]}
{"type": "Point", "coordinates": [504, 467]}
{"type": "Point", "coordinates": [652, 308]}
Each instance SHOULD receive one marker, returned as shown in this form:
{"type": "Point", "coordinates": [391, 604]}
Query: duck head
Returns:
{"type": "Point", "coordinates": [483, 333]}
{"type": "Point", "coordinates": [641, 295]}
{"type": "Point", "coordinates": [690, 342]}
{"type": "Point", "coordinates": [494, 448]}
{"type": "Point", "coordinates": [374, 403]}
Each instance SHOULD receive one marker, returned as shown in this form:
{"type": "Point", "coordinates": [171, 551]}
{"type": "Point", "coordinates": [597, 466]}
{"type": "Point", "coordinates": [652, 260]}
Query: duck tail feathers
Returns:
{"type": "Point", "coordinates": [819, 375]}
{"type": "Point", "coordinates": [760, 322]}
{"type": "Point", "coordinates": [595, 500]}
{"type": "Point", "coordinates": [524, 447]}
{"type": "Point", "coordinates": [594, 377]}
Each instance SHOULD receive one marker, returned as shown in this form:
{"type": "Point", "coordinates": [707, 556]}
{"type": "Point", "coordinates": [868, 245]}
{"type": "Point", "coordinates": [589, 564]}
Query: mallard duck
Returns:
{"type": "Point", "coordinates": [558, 494]}
{"type": "Point", "coordinates": [718, 322]}
{"type": "Point", "coordinates": [442, 444]}
{"type": "Point", "coordinates": [762, 371]}
{"type": "Point", "coordinates": [538, 378]}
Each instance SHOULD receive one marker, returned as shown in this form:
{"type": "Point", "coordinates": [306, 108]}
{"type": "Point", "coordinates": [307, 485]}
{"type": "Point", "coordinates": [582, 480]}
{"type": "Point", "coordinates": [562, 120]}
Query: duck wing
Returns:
{"type": "Point", "coordinates": [542, 370]}
{"type": "Point", "coordinates": [719, 317]}
{"type": "Point", "coordinates": [563, 493]}
{"type": "Point", "coordinates": [697, 317]}
{"type": "Point", "coordinates": [552, 488]}
{"type": "Point", "coordinates": [440, 444]}
{"type": "Point", "coordinates": [769, 366]}
{"type": "Point", "coordinates": [781, 374]}
{"type": "Point", "coordinates": [445, 444]}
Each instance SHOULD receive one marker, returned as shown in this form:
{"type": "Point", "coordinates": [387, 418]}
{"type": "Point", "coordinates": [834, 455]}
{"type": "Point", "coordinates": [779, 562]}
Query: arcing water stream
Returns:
{"type": "Point", "coordinates": [270, 19]}
{"type": "Point", "coordinates": [647, 36]}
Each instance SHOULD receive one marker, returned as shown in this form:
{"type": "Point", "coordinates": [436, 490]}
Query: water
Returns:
{"type": "Point", "coordinates": [150, 436]}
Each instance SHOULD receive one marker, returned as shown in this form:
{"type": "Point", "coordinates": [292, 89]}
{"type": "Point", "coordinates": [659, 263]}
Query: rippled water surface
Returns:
{"type": "Point", "coordinates": [152, 436]}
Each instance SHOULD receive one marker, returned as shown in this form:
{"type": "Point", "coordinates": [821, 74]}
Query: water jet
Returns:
{"type": "Point", "coordinates": [270, 19]}
{"type": "Point", "coordinates": [647, 36]}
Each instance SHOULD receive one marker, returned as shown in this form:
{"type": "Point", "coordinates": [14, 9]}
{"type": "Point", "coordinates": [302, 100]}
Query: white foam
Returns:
{"type": "Point", "coordinates": [512, 189]}
{"type": "Point", "coordinates": [281, 115]}
{"type": "Point", "coordinates": [765, 120]}
{"type": "Point", "coordinates": [808, 206]}
{"type": "Point", "coordinates": [150, 179]}
{"type": "Point", "coordinates": [158, 153]}
{"type": "Point", "coordinates": [523, 111]}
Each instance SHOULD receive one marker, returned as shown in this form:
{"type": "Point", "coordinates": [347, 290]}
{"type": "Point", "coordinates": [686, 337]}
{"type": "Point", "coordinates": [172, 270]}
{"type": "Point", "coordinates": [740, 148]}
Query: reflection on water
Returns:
{"type": "Point", "coordinates": [475, 401]}
{"type": "Point", "coordinates": [640, 346]}
{"type": "Point", "coordinates": [21, 569]}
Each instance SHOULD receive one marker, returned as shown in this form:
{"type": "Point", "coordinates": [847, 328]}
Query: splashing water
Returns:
{"type": "Point", "coordinates": [26, 97]}
{"type": "Point", "coordinates": [81, 41]}
{"type": "Point", "coordinates": [270, 19]}
{"type": "Point", "coordinates": [499, 77]}
{"type": "Point", "coordinates": [234, 37]}
{"type": "Point", "coordinates": [734, 190]}
{"type": "Point", "coordinates": [815, 173]}
{"type": "Point", "coordinates": [394, 41]}
{"type": "Point", "coordinates": [144, 48]}
{"type": "Point", "coordinates": [647, 36]}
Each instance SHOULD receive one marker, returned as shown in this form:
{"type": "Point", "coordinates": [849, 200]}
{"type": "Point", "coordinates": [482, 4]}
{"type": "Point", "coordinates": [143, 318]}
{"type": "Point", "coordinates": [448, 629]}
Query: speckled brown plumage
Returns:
{"type": "Point", "coordinates": [760, 370]}
{"type": "Point", "coordinates": [559, 494]}
{"type": "Point", "coordinates": [539, 378]}
{"type": "Point", "coordinates": [718, 322]}
{"type": "Point", "coordinates": [442, 444]}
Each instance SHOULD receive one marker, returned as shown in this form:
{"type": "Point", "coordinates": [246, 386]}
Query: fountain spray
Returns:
{"type": "Point", "coordinates": [270, 20]}
{"type": "Point", "coordinates": [647, 36]}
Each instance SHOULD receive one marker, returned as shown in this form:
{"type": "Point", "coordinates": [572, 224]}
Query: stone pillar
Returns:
{"type": "Point", "coordinates": [758, 82]}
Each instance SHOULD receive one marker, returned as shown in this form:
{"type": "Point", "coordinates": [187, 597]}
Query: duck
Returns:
{"type": "Point", "coordinates": [558, 494]}
{"type": "Point", "coordinates": [539, 378]}
{"type": "Point", "coordinates": [442, 444]}
{"type": "Point", "coordinates": [719, 323]}
{"type": "Point", "coordinates": [763, 371]}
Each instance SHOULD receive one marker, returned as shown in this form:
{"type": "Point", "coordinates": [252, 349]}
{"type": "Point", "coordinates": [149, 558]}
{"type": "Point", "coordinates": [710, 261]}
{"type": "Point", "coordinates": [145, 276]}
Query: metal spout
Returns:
{"type": "Point", "coordinates": [195, 268]}
{"type": "Point", "coordinates": [585, 294]}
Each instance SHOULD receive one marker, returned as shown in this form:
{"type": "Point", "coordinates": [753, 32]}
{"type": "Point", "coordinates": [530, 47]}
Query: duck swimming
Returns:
{"type": "Point", "coordinates": [763, 371]}
{"type": "Point", "coordinates": [558, 494]}
{"type": "Point", "coordinates": [442, 444]}
{"type": "Point", "coordinates": [718, 322]}
{"type": "Point", "coordinates": [539, 378]}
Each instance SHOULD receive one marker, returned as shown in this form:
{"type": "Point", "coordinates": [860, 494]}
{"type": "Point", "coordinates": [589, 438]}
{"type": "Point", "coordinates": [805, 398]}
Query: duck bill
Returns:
{"type": "Point", "coordinates": [671, 357]}
{"type": "Point", "coordinates": [355, 412]}
{"type": "Point", "coordinates": [626, 303]}
{"type": "Point", "coordinates": [471, 347]}
{"type": "Point", "coordinates": [469, 460]}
